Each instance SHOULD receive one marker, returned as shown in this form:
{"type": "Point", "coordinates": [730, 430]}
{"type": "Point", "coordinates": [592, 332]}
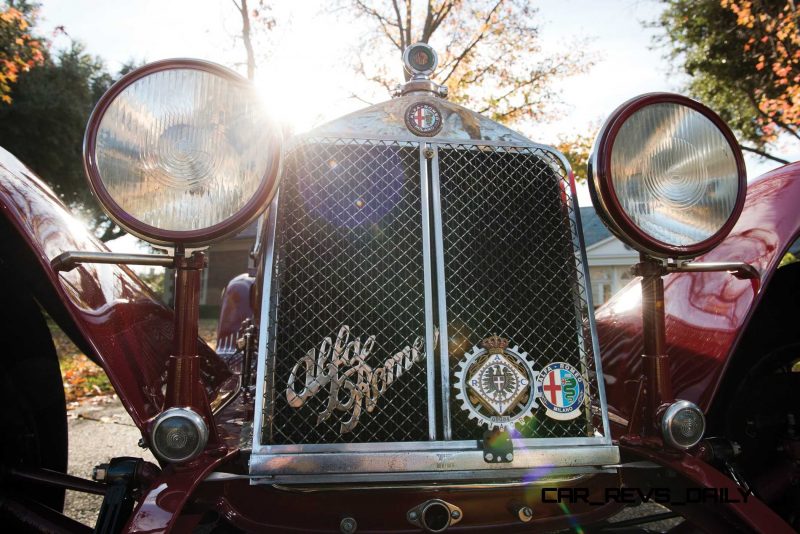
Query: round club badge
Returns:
{"type": "Point", "coordinates": [495, 384]}
{"type": "Point", "coordinates": [423, 119]}
{"type": "Point", "coordinates": [561, 391]}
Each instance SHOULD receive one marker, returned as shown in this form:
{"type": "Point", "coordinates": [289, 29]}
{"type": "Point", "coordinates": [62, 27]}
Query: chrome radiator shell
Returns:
{"type": "Point", "coordinates": [429, 191]}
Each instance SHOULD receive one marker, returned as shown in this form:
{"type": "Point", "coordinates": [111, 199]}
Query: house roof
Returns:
{"type": "Point", "coordinates": [249, 232]}
{"type": "Point", "coordinates": [594, 230]}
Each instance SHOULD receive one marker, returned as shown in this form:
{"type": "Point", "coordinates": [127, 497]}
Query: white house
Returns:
{"type": "Point", "coordinates": [609, 258]}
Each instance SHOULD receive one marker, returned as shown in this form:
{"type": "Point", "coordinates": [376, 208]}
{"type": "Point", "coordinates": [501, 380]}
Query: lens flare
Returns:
{"type": "Point", "coordinates": [573, 523]}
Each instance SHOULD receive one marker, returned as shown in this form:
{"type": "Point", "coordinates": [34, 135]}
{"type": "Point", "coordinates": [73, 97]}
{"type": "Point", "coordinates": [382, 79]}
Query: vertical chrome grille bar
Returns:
{"type": "Point", "coordinates": [430, 331]}
{"type": "Point", "coordinates": [263, 326]}
{"type": "Point", "coordinates": [444, 356]}
{"type": "Point", "coordinates": [583, 266]}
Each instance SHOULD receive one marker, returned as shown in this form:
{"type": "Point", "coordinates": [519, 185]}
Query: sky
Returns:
{"type": "Point", "coordinates": [304, 74]}
{"type": "Point", "coordinates": [306, 63]}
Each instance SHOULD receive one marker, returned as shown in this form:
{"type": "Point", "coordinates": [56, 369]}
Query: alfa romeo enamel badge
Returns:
{"type": "Point", "coordinates": [561, 391]}
{"type": "Point", "coordinates": [495, 383]}
{"type": "Point", "coordinates": [423, 119]}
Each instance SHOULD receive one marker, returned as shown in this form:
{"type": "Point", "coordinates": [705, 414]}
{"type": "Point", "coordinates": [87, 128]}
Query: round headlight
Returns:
{"type": "Point", "coordinates": [182, 152]}
{"type": "Point", "coordinates": [667, 176]}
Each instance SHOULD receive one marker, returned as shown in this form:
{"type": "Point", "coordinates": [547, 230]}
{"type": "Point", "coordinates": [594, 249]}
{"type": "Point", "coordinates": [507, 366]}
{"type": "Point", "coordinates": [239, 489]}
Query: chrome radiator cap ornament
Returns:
{"type": "Point", "coordinates": [495, 383]}
{"type": "Point", "coordinates": [420, 60]}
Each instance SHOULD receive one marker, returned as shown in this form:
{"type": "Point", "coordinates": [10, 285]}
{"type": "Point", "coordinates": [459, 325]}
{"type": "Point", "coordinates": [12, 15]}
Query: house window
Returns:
{"type": "Point", "coordinates": [602, 284]}
{"type": "Point", "coordinates": [607, 280]}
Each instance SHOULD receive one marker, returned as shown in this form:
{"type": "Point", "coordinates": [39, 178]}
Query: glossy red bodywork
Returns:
{"type": "Point", "coordinates": [706, 313]}
{"type": "Point", "coordinates": [711, 517]}
{"type": "Point", "coordinates": [111, 314]}
{"type": "Point", "coordinates": [384, 509]}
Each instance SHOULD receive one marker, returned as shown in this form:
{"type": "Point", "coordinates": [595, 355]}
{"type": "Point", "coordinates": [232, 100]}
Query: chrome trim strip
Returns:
{"type": "Point", "coordinates": [263, 327]}
{"type": "Point", "coordinates": [444, 355]}
{"type": "Point", "coordinates": [429, 465]}
{"type": "Point", "coordinates": [426, 260]}
{"type": "Point", "coordinates": [467, 445]}
{"type": "Point", "coordinates": [444, 477]}
{"type": "Point", "coordinates": [547, 480]}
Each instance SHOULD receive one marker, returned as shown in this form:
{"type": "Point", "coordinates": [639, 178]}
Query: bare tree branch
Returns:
{"type": "Point", "coordinates": [764, 154]}
{"type": "Point", "coordinates": [436, 19]}
{"type": "Point", "coordinates": [478, 38]}
{"type": "Point", "coordinates": [248, 44]}
{"type": "Point", "coordinates": [470, 37]}
{"type": "Point", "coordinates": [403, 42]}
{"type": "Point", "coordinates": [408, 23]}
{"type": "Point", "coordinates": [383, 21]}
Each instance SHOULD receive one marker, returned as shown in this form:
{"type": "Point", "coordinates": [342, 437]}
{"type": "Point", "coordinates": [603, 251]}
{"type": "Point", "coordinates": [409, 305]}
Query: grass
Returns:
{"type": "Point", "coordinates": [82, 377]}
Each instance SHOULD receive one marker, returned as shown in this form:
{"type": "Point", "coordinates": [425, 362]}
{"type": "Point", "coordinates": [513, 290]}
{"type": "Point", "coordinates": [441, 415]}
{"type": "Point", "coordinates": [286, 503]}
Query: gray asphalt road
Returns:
{"type": "Point", "coordinates": [99, 429]}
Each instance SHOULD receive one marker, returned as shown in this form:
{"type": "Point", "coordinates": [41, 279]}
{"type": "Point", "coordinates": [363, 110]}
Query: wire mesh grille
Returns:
{"type": "Point", "coordinates": [512, 268]}
{"type": "Point", "coordinates": [348, 254]}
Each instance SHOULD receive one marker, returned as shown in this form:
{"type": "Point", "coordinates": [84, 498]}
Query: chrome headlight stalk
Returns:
{"type": "Point", "coordinates": [178, 435]}
{"type": "Point", "coordinates": [683, 425]}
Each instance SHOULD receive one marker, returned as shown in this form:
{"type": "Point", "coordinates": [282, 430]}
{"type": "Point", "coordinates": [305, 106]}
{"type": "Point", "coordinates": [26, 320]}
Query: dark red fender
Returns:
{"type": "Point", "coordinates": [114, 316]}
{"type": "Point", "coordinates": [706, 313]}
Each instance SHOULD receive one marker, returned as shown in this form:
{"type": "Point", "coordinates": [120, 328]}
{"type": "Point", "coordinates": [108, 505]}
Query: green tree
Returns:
{"type": "Point", "coordinates": [743, 58]}
{"type": "Point", "coordinates": [490, 55]}
{"type": "Point", "coordinates": [44, 127]}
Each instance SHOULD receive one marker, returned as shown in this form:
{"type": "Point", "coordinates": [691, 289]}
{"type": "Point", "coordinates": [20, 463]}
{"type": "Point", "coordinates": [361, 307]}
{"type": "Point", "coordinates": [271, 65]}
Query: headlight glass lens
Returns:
{"type": "Point", "coordinates": [674, 174]}
{"type": "Point", "coordinates": [184, 149]}
{"type": "Point", "coordinates": [687, 427]}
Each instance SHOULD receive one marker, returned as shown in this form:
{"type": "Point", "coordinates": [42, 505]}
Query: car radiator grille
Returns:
{"type": "Point", "coordinates": [350, 251]}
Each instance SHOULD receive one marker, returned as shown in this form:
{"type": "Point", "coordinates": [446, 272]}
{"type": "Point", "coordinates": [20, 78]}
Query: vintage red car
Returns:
{"type": "Point", "coordinates": [417, 348]}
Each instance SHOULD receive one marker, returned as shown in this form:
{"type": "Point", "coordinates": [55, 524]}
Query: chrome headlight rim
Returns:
{"type": "Point", "coordinates": [607, 203]}
{"type": "Point", "coordinates": [669, 415]}
{"type": "Point", "coordinates": [160, 236]}
{"type": "Point", "coordinates": [195, 419]}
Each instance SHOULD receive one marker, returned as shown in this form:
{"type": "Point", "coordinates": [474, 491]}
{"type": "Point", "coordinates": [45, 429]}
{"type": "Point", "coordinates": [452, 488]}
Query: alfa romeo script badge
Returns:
{"type": "Point", "coordinates": [339, 371]}
{"type": "Point", "coordinates": [495, 383]}
{"type": "Point", "coordinates": [561, 390]}
{"type": "Point", "coordinates": [423, 119]}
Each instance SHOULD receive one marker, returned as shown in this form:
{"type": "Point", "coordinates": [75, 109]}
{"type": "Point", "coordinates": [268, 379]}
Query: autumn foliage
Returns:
{"type": "Point", "coordinates": [772, 31]}
{"type": "Point", "coordinates": [743, 60]}
{"type": "Point", "coordinates": [19, 50]}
